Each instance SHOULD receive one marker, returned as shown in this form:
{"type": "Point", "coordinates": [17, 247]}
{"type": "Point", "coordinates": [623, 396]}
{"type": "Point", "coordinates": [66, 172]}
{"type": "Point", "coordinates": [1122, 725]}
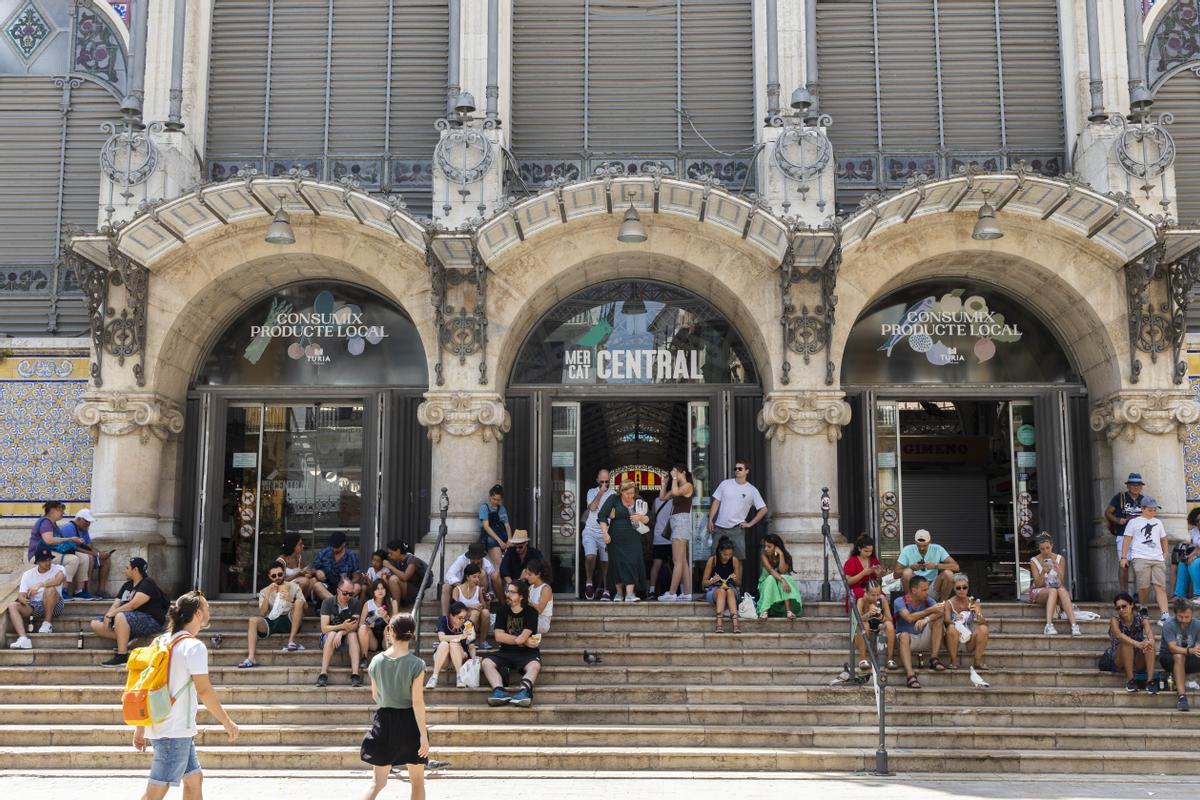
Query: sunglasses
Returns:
{"type": "Point", "coordinates": [1123, 606]}
{"type": "Point", "coordinates": [960, 588]}
{"type": "Point", "coordinates": [511, 591]}
{"type": "Point", "coordinates": [344, 592]}
{"type": "Point", "coordinates": [739, 469]}
{"type": "Point", "coordinates": [275, 576]}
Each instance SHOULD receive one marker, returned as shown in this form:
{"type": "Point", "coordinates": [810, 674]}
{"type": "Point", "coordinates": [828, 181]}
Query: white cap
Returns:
{"type": "Point", "coordinates": [922, 537]}
{"type": "Point", "coordinates": [85, 514]}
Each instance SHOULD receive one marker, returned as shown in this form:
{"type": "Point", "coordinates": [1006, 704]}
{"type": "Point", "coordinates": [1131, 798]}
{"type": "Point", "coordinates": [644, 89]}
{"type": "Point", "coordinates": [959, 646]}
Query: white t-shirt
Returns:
{"type": "Point", "coordinates": [372, 574]}
{"type": "Point", "coordinates": [32, 576]}
{"type": "Point", "coordinates": [535, 596]}
{"type": "Point", "coordinates": [454, 574]}
{"type": "Point", "coordinates": [592, 525]}
{"type": "Point", "coordinates": [188, 659]}
{"type": "Point", "coordinates": [1147, 535]}
{"type": "Point", "coordinates": [736, 501]}
{"type": "Point", "coordinates": [374, 611]}
{"type": "Point", "coordinates": [661, 521]}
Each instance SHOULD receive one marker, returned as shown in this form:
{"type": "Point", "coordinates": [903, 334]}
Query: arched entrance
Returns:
{"type": "Point", "coordinates": [302, 421]}
{"type": "Point", "coordinates": [971, 422]}
{"type": "Point", "coordinates": [630, 376]}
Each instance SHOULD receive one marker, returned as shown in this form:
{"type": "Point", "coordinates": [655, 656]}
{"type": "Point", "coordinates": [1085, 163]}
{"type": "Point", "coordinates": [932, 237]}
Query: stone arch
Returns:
{"type": "Point", "coordinates": [198, 288]}
{"type": "Point", "coordinates": [1073, 285]}
{"type": "Point", "coordinates": [737, 278]}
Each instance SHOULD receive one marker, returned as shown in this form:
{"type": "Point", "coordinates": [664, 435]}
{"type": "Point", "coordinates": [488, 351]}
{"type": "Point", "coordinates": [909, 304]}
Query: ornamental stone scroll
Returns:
{"type": "Point", "coordinates": [804, 414]}
{"type": "Point", "coordinates": [1126, 413]}
{"type": "Point", "coordinates": [148, 415]}
{"type": "Point", "coordinates": [464, 414]}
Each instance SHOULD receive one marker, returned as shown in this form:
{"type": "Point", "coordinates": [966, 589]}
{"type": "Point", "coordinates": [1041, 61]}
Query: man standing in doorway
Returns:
{"type": "Point", "coordinates": [1121, 509]}
{"type": "Point", "coordinates": [593, 540]}
{"type": "Point", "coordinates": [731, 504]}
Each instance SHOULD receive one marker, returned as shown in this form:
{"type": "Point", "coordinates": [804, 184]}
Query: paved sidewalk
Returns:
{"type": "Point", "coordinates": [590, 786]}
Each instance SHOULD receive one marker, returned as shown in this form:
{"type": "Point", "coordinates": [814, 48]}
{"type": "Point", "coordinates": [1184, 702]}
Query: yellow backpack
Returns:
{"type": "Point", "coordinates": [147, 698]}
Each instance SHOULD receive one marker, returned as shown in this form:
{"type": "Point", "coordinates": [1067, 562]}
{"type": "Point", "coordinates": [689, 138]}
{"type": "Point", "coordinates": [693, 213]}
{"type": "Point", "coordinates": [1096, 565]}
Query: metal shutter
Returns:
{"type": "Point", "coordinates": [548, 78]}
{"type": "Point", "coordinates": [631, 77]}
{"type": "Point", "coordinates": [30, 133]}
{"type": "Point", "coordinates": [952, 505]}
{"type": "Point", "coordinates": [299, 36]}
{"type": "Point", "coordinates": [419, 36]}
{"type": "Point", "coordinates": [1180, 95]}
{"type": "Point", "coordinates": [1033, 97]}
{"type": "Point", "coordinates": [907, 76]}
{"type": "Point", "coordinates": [237, 78]}
{"type": "Point", "coordinates": [358, 82]}
{"type": "Point", "coordinates": [718, 75]}
{"type": "Point", "coordinates": [970, 76]}
{"type": "Point", "coordinates": [846, 66]}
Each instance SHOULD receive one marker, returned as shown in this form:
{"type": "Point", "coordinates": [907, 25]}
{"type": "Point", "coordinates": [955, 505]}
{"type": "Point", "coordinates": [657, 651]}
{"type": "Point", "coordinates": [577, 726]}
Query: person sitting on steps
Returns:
{"type": "Point", "coordinates": [1047, 569]}
{"type": "Point", "coordinates": [379, 608]}
{"type": "Point", "coordinates": [516, 633]}
{"type": "Point", "coordinates": [1129, 633]}
{"type": "Point", "coordinates": [919, 628]}
{"type": "Point", "coordinates": [775, 585]}
{"type": "Point", "coordinates": [406, 573]}
{"type": "Point", "coordinates": [455, 635]}
{"type": "Point", "coordinates": [473, 596]}
{"type": "Point", "coordinates": [140, 610]}
{"type": "Point", "coordinates": [877, 616]}
{"type": "Point", "coordinates": [339, 621]}
{"type": "Point", "coordinates": [476, 554]}
{"type": "Point", "coordinates": [1180, 652]}
{"type": "Point", "coordinates": [930, 561]}
{"type": "Point", "coordinates": [39, 595]}
{"type": "Point", "coordinates": [280, 610]}
{"type": "Point", "coordinates": [722, 577]}
{"type": "Point", "coordinates": [541, 594]}
{"type": "Point", "coordinates": [964, 622]}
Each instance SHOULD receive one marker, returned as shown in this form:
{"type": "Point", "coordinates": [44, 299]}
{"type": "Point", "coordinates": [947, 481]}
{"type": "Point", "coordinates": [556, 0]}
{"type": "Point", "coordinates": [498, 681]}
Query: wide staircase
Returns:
{"type": "Point", "coordinates": [669, 694]}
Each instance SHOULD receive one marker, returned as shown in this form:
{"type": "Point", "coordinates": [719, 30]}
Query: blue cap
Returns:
{"type": "Point", "coordinates": [1150, 502]}
{"type": "Point", "coordinates": [1134, 477]}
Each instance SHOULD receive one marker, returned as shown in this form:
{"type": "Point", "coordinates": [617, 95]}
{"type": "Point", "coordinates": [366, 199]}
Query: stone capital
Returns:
{"type": "Point", "coordinates": [148, 415]}
{"type": "Point", "coordinates": [1124, 414]}
{"type": "Point", "coordinates": [804, 414]}
{"type": "Point", "coordinates": [464, 414]}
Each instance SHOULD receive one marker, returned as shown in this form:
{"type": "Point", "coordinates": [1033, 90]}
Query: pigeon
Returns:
{"type": "Point", "coordinates": [977, 681]}
{"type": "Point", "coordinates": [591, 658]}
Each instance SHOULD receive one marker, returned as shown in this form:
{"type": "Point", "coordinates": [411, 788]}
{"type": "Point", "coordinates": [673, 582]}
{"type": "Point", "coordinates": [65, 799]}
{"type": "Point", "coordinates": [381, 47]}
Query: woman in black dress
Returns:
{"type": "Point", "coordinates": [398, 734]}
{"type": "Point", "coordinates": [617, 518]}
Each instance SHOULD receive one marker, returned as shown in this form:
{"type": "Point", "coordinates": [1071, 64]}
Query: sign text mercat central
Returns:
{"type": "Point", "coordinates": [653, 366]}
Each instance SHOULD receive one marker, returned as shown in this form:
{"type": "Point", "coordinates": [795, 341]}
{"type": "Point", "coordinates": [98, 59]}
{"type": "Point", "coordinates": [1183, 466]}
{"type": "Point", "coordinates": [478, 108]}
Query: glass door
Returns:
{"type": "Point", "coordinates": [699, 460]}
{"type": "Point", "coordinates": [287, 469]}
{"type": "Point", "coordinates": [564, 496]}
{"type": "Point", "coordinates": [1026, 519]}
{"type": "Point", "coordinates": [885, 464]}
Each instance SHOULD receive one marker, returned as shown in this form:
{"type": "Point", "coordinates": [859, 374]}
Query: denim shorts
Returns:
{"type": "Point", "coordinates": [341, 648]}
{"type": "Point", "coordinates": [174, 760]}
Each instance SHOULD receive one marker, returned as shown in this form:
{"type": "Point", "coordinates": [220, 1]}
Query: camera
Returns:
{"type": "Point", "coordinates": [1182, 552]}
{"type": "Point", "coordinates": [873, 623]}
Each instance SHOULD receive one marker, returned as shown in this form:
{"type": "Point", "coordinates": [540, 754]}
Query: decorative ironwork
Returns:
{"type": "Point", "coordinates": [807, 333]}
{"type": "Point", "coordinates": [463, 154]}
{"type": "Point", "coordinates": [1181, 278]}
{"type": "Point", "coordinates": [900, 169]}
{"type": "Point", "coordinates": [366, 172]}
{"type": "Point", "coordinates": [856, 170]}
{"type": "Point", "coordinates": [803, 151]}
{"type": "Point", "coordinates": [461, 332]}
{"type": "Point", "coordinates": [1148, 322]}
{"type": "Point", "coordinates": [1144, 149]}
{"type": "Point", "coordinates": [631, 168]}
{"type": "Point", "coordinates": [29, 280]}
{"type": "Point", "coordinates": [282, 168]}
{"type": "Point", "coordinates": [538, 173]}
{"type": "Point", "coordinates": [95, 282]}
{"type": "Point", "coordinates": [129, 155]}
{"type": "Point", "coordinates": [731, 172]}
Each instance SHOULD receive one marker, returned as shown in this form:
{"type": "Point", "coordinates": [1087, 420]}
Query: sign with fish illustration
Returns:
{"type": "Point", "coordinates": [938, 326]}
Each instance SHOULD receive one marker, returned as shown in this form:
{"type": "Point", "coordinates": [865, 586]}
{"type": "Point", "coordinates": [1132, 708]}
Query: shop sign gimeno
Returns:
{"type": "Point", "coordinates": [946, 330]}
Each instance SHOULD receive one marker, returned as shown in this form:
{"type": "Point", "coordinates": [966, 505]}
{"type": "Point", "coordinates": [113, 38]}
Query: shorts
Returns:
{"type": "Point", "coordinates": [593, 544]}
{"type": "Point", "coordinates": [921, 642]}
{"type": "Point", "coordinates": [488, 542]}
{"type": "Point", "coordinates": [681, 526]}
{"type": "Point", "coordinates": [1148, 572]}
{"type": "Point", "coordinates": [506, 662]}
{"type": "Point", "coordinates": [394, 739]}
{"type": "Point", "coordinates": [341, 648]}
{"type": "Point", "coordinates": [39, 606]}
{"type": "Point", "coordinates": [1191, 664]}
{"type": "Point", "coordinates": [280, 625]}
{"type": "Point", "coordinates": [735, 535]}
{"type": "Point", "coordinates": [660, 552]}
{"type": "Point", "coordinates": [141, 624]}
{"type": "Point", "coordinates": [174, 760]}
{"type": "Point", "coordinates": [712, 593]}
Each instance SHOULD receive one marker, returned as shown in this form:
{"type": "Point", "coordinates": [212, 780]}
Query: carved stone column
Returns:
{"type": "Point", "coordinates": [129, 430]}
{"type": "Point", "coordinates": [803, 429]}
{"type": "Point", "coordinates": [466, 429]}
{"type": "Point", "coordinates": [1144, 430]}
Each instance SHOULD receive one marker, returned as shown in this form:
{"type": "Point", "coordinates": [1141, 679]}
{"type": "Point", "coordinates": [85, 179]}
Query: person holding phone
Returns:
{"type": "Point", "coordinates": [862, 567]}
{"type": "Point", "coordinates": [930, 561]}
{"type": "Point", "coordinates": [964, 621]}
{"type": "Point", "coordinates": [595, 549]}
{"type": "Point", "coordinates": [339, 624]}
{"type": "Point", "coordinates": [98, 560]}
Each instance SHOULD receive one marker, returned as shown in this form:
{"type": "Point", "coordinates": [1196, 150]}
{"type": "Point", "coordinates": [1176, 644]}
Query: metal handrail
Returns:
{"type": "Point", "coordinates": [881, 754]}
{"type": "Point", "coordinates": [439, 555]}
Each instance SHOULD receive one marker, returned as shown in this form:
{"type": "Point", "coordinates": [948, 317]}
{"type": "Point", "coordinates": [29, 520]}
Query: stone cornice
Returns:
{"type": "Point", "coordinates": [464, 414]}
{"type": "Point", "coordinates": [120, 414]}
{"type": "Point", "coordinates": [1125, 414]}
{"type": "Point", "coordinates": [804, 414]}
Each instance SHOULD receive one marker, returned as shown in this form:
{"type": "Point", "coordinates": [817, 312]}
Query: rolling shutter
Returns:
{"type": "Point", "coordinates": [296, 125]}
{"type": "Point", "coordinates": [908, 86]}
{"type": "Point", "coordinates": [952, 505]}
{"type": "Point", "coordinates": [1180, 95]}
{"type": "Point", "coordinates": [548, 78]}
{"type": "Point", "coordinates": [30, 132]}
{"type": "Point", "coordinates": [237, 78]}
{"type": "Point", "coordinates": [1033, 97]}
{"type": "Point", "coordinates": [846, 67]}
{"type": "Point", "coordinates": [419, 66]}
{"type": "Point", "coordinates": [970, 76]}
{"type": "Point", "coordinates": [718, 75]}
{"type": "Point", "coordinates": [358, 80]}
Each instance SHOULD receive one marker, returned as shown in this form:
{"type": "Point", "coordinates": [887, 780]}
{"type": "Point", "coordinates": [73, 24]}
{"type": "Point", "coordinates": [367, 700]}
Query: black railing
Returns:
{"type": "Point", "coordinates": [859, 628]}
{"type": "Point", "coordinates": [439, 556]}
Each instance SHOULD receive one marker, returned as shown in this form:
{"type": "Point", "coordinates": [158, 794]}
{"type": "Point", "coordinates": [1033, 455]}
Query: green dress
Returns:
{"type": "Point", "coordinates": [771, 597]}
{"type": "Point", "coordinates": [625, 565]}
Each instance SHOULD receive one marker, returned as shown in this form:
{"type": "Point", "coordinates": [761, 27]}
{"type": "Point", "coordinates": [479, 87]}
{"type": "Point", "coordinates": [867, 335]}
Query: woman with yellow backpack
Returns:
{"type": "Point", "coordinates": [166, 679]}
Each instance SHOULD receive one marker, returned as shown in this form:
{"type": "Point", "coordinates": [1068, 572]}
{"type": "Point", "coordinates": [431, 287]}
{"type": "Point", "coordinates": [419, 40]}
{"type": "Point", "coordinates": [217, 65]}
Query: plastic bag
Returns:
{"type": "Point", "coordinates": [640, 507]}
{"type": "Point", "coordinates": [746, 608]}
{"type": "Point", "coordinates": [468, 673]}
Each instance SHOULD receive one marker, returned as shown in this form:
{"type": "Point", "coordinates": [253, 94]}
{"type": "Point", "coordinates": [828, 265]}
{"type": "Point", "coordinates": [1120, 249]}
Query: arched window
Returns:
{"type": "Point", "coordinates": [927, 86]}
{"type": "Point", "coordinates": [336, 89]}
{"type": "Point", "coordinates": [1173, 67]}
{"type": "Point", "coordinates": [62, 72]}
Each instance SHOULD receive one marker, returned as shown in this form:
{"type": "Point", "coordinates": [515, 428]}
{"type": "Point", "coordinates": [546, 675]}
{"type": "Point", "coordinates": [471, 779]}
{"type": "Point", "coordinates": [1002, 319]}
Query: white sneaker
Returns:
{"type": "Point", "coordinates": [458, 684]}
{"type": "Point", "coordinates": [683, 598]}
{"type": "Point", "coordinates": [432, 682]}
{"type": "Point", "coordinates": [1075, 631]}
{"type": "Point", "coordinates": [22, 643]}
{"type": "Point", "coordinates": [1193, 686]}
{"type": "Point", "coordinates": [46, 628]}
{"type": "Point", "coordinates": [1050, 630]}
{"type": "Point", "coordinates": [666, 598]}
{"type": "Point", "coordinates": [632, 598]}
{"type": "Point", "coordinates": [1165, 616]}
{"type": "Point", "coordinates": [618, 597]}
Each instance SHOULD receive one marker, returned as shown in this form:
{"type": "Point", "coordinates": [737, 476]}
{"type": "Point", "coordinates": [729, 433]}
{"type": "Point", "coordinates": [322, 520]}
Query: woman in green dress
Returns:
{"type": "Point", "coordinates": [776, 588]}
{"type": "Point", "coordinates": [617, 517]}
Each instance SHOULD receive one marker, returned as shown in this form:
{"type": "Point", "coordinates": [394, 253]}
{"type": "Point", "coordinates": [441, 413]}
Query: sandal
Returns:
{"type": "Point", "coordinates": [790, 615]}
{"type": "Point", "coordinates": [892, 666]}
{"type": "Point", "coordinates": [936, 665]}
{"type": "Point", "coordinates": [953, 665]}
{"type": "Point", "coordinates": [736, 627]}
{"type": "Point", "coordinates": [720, 626]}
{"type": "Point", "coordinates": [762, 615]}
{"type": "Point", "coordinates": [913, 683]}
{"type": "Point", "coordinates": [981, 667]}
{"type": "Point", "coordinates": [247, 664]}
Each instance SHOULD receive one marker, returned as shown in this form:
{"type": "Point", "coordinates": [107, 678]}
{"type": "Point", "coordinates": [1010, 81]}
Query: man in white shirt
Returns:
{"type": "Point", "coordinates": [173, 739]}
{"type": "Point", "coordinates": [1145, 548]}
{"type": "Point", "coordinates": [731, 504]}
{"type": "Point", "coordinates": [280, 611]}
{"type": "Point", "coordinates": [32, 598]}
{"type": "Point", "coordinates": [594, 548]}
{"type": "Point", "coordinates": [476, 554]}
